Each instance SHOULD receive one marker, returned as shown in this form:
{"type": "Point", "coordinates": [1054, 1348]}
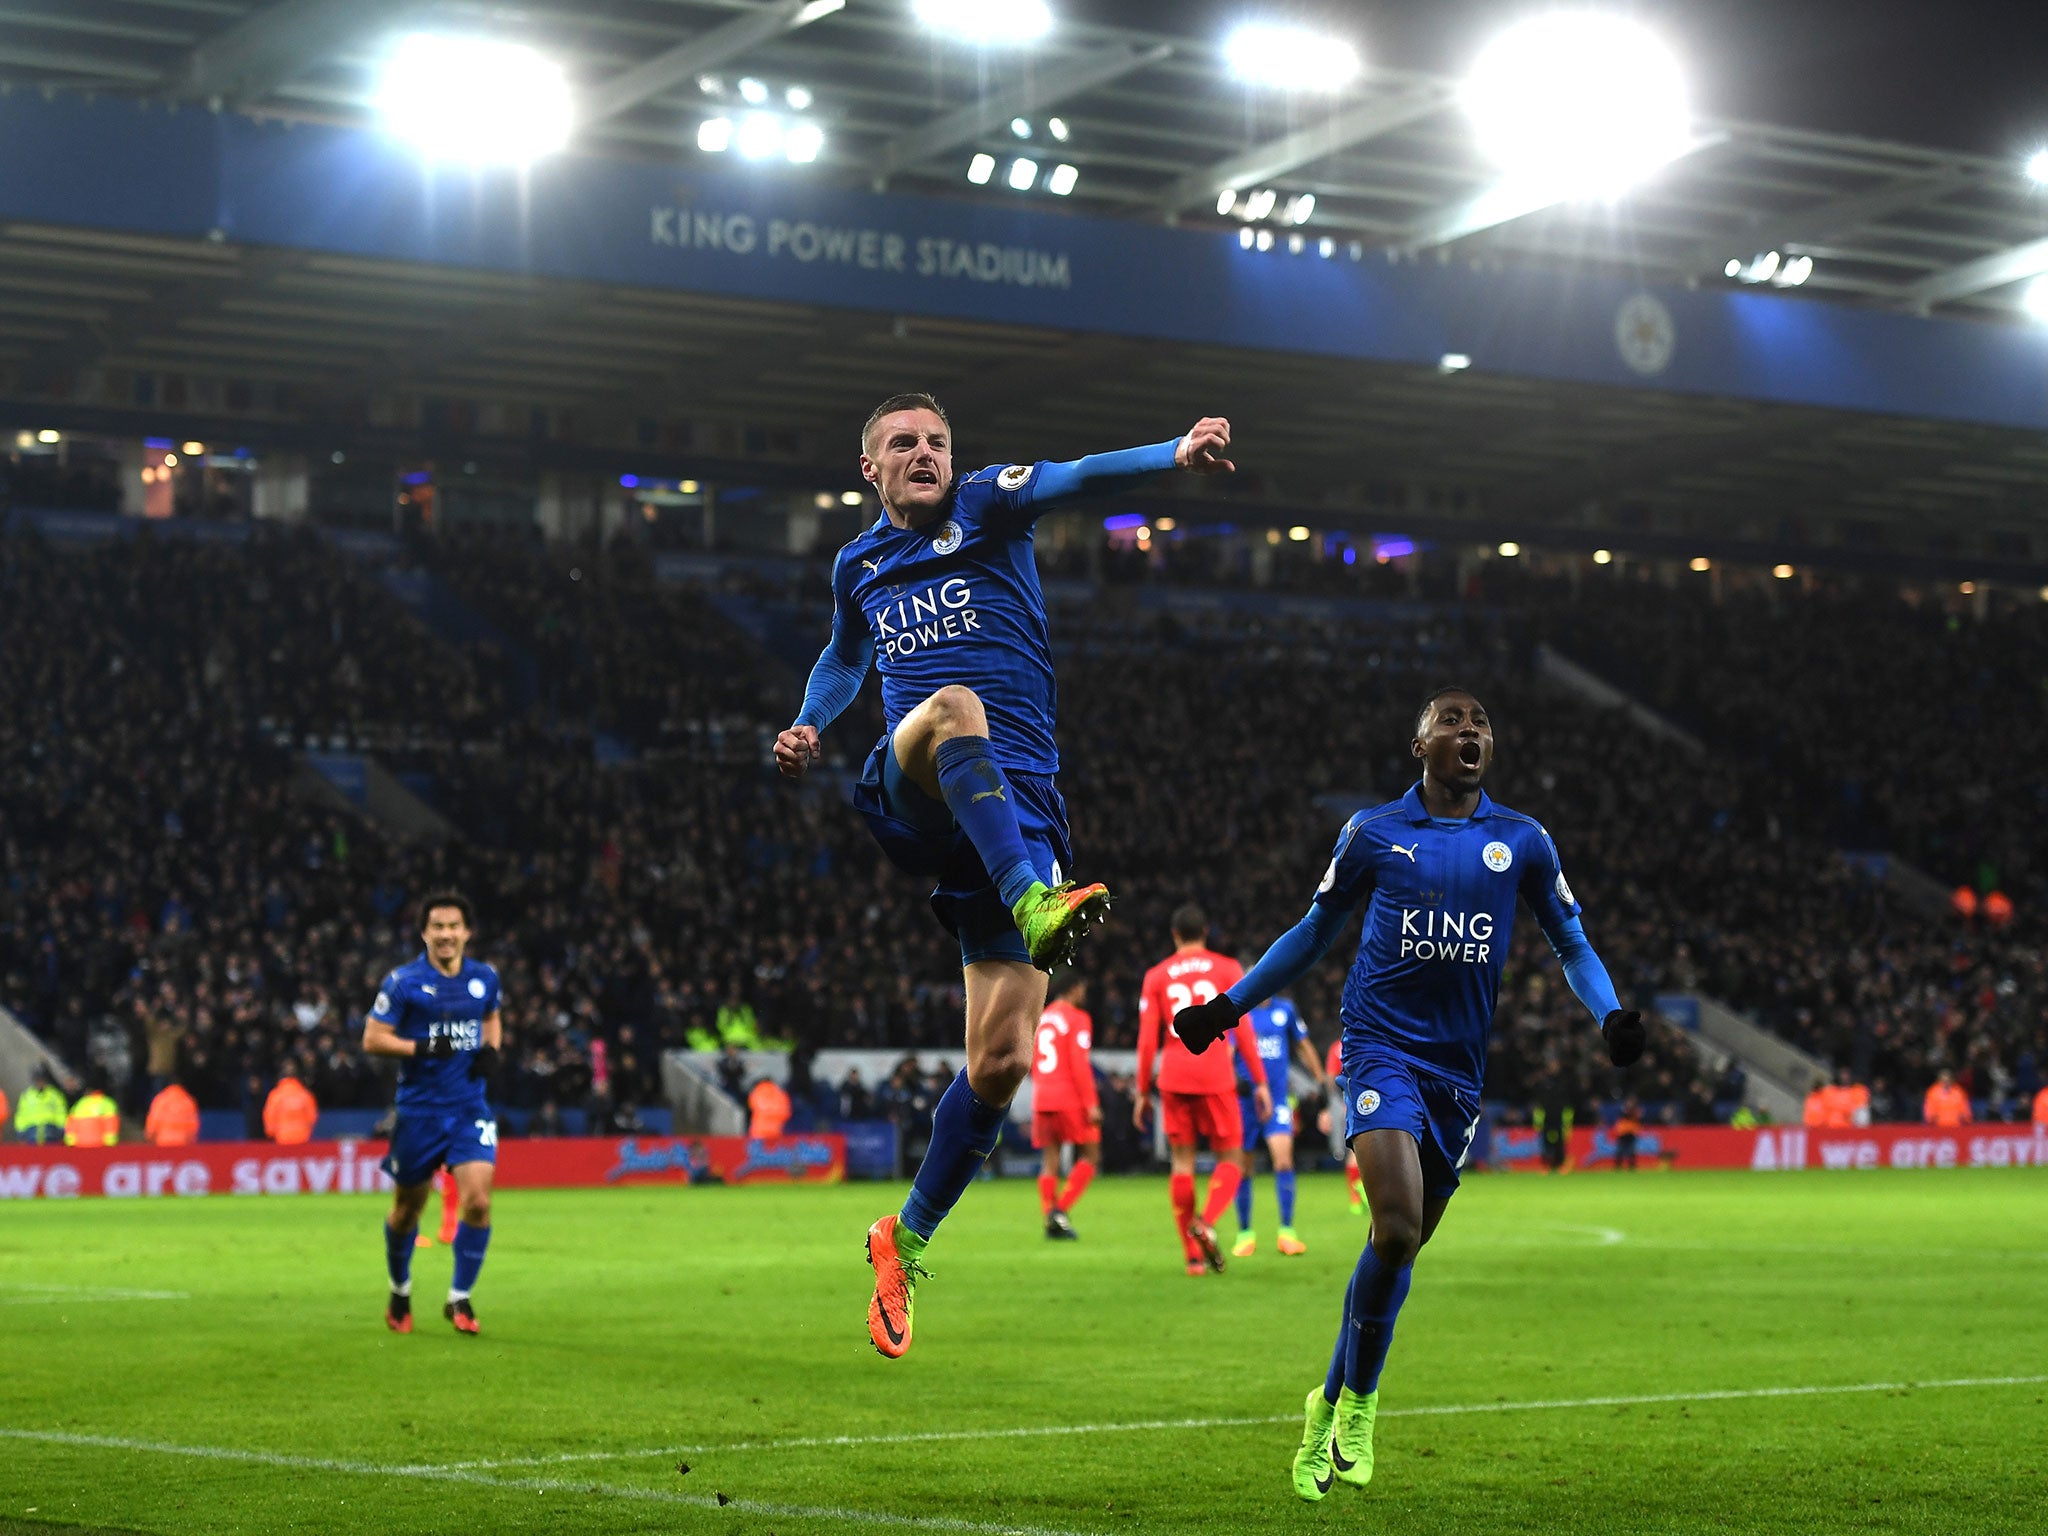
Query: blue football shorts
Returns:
{"type": "Point", "coordinates": [1279, 1123]}
{"type": "Point", "coordinates": [920, 837]}
{"type": "Point", "coordinates": [428, 1138]}
{"type": "Point", "coordinates": [1385, 1090]}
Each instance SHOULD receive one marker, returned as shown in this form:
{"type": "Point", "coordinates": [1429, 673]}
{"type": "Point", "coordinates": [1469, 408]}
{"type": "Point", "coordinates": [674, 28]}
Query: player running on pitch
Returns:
{"type": "Point", "coordinates": [1278, 1028]}
{"type": "Point", "coordinates": [1196, 1098]}
{"type": "Point", "coordinates": [1066, 1111]}
{"type": "Point", "coordinates": [942, 596]}
{"type": "Point", "coordinates": [439, 1016]}
{"type": "Point", "coordinates": [1439, 870]}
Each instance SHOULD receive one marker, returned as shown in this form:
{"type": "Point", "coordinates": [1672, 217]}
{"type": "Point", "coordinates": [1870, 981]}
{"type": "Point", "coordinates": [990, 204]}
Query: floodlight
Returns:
{"type": "Point", "coordinates": [687, 487]}
{"type": "Point", "coordinates": [1454, 362]}
{"type": "Point", "coordinates": [474, 100]}
{"type": "Point", "coordinates": [1509, 549]}
{"type": "Point", "coordinates": [1603, 557]}
{"type": "Point", "coordinates": [1057, 127]}
{"type": "Point", "coordinates": [1734, 267]}
{"type": "Point", "coordinates": [759, 136]}
{"type": "Point", "coordinates": [980, 168]}
{"type": "Point", "coordinates": [802, 143]}
{"type": "Point", "coordinates": [753, 92]}
{"type": "Point", "coordinates": [851, 498]}
{"type": "Point", "coordinates": [1265, 240]}
{"type": "Point", "coordinates": [2037, 166]}
{"type": "Point", "coordinates": [714, 135]}
{"type": "Point", "coordinates": [818, 8]}
{"type": "Point", "coordinates": [1244, 237]}
{"type": "Point", "coordinates": [1295, 243]}
{"type": "Point", "coordinates": [1021, 127]}
{"type": "Point", "coordinates": [1301, 209]}
{"type": "Point", "coordinates": [1226, 200]}
{"type": "Point", "coordinates": [1298, 533]}
{"type": "Point", "coordinates": [1260, 204]}
{"type": "Point", "coordinates": [1795, 272]}
{"type": "Point", "coordinates": [1326, 247]}
{"type": "Point", "coordinates": [1023, 173]}
{"type": "Point", "coordinates": [824, 501]}
{"type": "Point", "coordinates": [51, 435]}
{"type": "Point", "coordinates": [194, 450]}
{"type": "Point", "coordinates": [1062, 180]}
{"type": "Point", "coordinates": [1783, 572]}
{"type": "Point", "coordinates": [1290, 58]}
{"type": "Point", "coordinates": [2034, 298]}
{"type": "Point", "coordinates": [1578, 101]}
{"type": "Point", "coordinates": [1701, 563]}
{"type": "Point", "coordinates": [799, 98]}
{"type": "Point", "coordinates": [987, 22]}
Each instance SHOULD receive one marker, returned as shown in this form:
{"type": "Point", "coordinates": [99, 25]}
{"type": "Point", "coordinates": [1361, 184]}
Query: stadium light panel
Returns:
{"type": "Point", "coordinates": [1057, 127]}
{"type": "Point", "coordinates": [1580, 102]}
{"type": "Point", "coordinates": [1701, 563]}
{"type": "Point", "coordinates": [2034, 298]}
{"type": "Point", "coordinates": [1795, 272]}
{"type": "Point", "coordinates": [1166, 525]}
{"type": "Point", "coordinates": [1783, 572]}
{"type": "Point", "coordinates": [851, 498]}
{"type": "Point", "coordinates": [799, 98]}
{"type": "Point", "coordinates": [1295, 243]}
{"type": "Point", "coordinates": [1509, 549]}
{"type": "Point", "coordinates": [817, 9]}
{"type": "Point", "coordinates": [1021, 127]}
{"type": "Point", "coordinates": [980, 169]}
{"type": "Point", "coordinates": [803, 143]}
{"type": "Point", "coordinates": [1265, 240]}
{"type": "Point", "coordinates": [824, 501]}
{"type": "Point", "coordinates": [1326, 247]}
{"type": "Point", "coordinates": [1226, 200]}
{"type": "Point", "coordinates": [687, 487]}
{"type": "Point", "coordinates": [474, 100]}
{"type": "Point", "coordinates": [1290, 58]}
{"type": "Point", "coordinates": [1454, 362]}
{"type": "Point", "coordinates": [1734, 267]}
{"type": "Point", "coordinates": [1298, 533]}
{"type": "Point", "coordinates": [50, 435]}
{"type": "Point", "coordinates": [2037, 167]}
{"type": "Point", "coordinates": [1301, 209]}
{"type": "Point", "coordinates": [987, 22]}
{"type": "Point", "coordinates": [1260, 204]}
{"type": "Point", "coordinates": [170, 459]}
{"type": "Point", "coordinates": [1062, 180]}
{"type": "Point", "coordinates": [753, 92]}
{"type": "Point", "coordinates": [714, 135]}
{"type": "Point", "coordinates": [760, 136]}
{"type": "Point", "coordinates": [1245, 237]}
{"type": "Point", "coordinates": [1023, 174]}
{"type": "Point", "coordinates": [1603, 557]}
{"type": "Point", "coordinates": [193, 450]}
{"type": "Point", "coordinates": [711, 85]}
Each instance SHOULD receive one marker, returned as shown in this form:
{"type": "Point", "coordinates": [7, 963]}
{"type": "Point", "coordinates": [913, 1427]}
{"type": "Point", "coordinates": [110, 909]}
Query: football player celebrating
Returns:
{"type": "Point", "coordinates": [1438, 871]}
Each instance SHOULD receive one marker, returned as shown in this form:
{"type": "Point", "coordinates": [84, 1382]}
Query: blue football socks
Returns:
{"type": "Point", "coordinates": [964, 1131]}
{"type": "Point", "coordinates": [1244, 1203]}
{"type": "Point", "coordinates": [470, 1243]}
{"type": "Point", "coordinates": [982, 801]}
{"type": "Point", "coordinates": [398, 1257]}
{"type": "Point", "coordinates": [1283, 1192]}
{"type": "Point", "coordinates": [1371, 1304]}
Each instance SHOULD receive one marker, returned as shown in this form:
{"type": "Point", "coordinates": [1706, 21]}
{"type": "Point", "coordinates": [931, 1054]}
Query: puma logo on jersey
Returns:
{"type": "Point", "coordinates": [874, 567]}
{"type": "Point", "coordinates": [989, 794]}
{"type": "Point", "coordinates": [1409, 850]}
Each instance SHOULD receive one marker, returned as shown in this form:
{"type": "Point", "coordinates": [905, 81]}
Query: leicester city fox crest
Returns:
{"type": "Point", "coordinates": [948, 539]}
{"type": "Point", "coordinates": [1014, 476]}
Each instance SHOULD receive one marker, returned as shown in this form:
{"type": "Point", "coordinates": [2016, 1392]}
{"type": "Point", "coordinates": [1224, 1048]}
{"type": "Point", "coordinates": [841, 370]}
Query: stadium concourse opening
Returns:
{"type": "Point", "coordinates": [1459, 626]}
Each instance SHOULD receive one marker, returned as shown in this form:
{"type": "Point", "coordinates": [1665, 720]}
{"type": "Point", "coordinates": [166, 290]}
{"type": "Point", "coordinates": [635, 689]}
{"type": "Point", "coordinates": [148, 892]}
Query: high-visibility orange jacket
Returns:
{"type": "Point", "coordinates": [289, 1113]}
{"type": "Point", "coordinates": [2041, 1107]}
{"type": "Point", "coordinates": [1947, 1107]}
{"type": "Point", "coordinates": [173, 1119]}
{"type": "Point", "coordinates": [94, 1121]}
{"type": "Point", "coordinates": [1815, 1111]}
{"type": "Point", "coordinates": [770, 1106]}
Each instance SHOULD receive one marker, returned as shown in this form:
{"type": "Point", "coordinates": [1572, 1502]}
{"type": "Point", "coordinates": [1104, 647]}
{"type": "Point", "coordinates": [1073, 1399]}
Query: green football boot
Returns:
{"type": "Point", "coordinates": [1351, 1446]}
{"type": "Point", "coordinates": [1054, 919]}
{"type": "Point", "coordinates": [1313, 1470]}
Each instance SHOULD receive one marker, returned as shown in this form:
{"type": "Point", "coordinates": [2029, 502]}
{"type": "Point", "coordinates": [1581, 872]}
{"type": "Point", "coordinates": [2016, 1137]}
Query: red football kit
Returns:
{"type": "Point", "coordinates": [1062, 1081]}
{"type": "Point", "coordinates": [1197, 1094]}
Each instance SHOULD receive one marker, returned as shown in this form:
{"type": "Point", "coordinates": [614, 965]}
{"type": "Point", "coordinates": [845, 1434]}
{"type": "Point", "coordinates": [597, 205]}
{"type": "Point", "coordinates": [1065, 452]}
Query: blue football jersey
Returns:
{"type": "Point", "coordinates": [1440, 906]}
{"type": "Point", "coordinates": [1276, 1025]}
{"type": "Point", "coordinates": [958, 601]}
{"type": "Point", "coordinates": [420, 1003]}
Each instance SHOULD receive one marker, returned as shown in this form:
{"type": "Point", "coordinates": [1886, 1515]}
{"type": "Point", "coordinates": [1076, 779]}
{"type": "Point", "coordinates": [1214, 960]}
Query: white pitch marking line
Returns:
{"type": "Point", "coordinates": [533, 1484]}
{"type": "Point", "coordinates": [1038, 1431]}
{"type": "Point", "coordinates": [51, 1295]}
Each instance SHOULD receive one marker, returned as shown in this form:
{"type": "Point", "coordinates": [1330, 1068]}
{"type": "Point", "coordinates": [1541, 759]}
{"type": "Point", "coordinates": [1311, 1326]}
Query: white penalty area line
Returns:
{"type": "Point", "coordinates": [536, 1485]}
{"type": "Point", "coordinates": [52, 1295]}
{"type": "Point", "coordinates": [1041, 1431]}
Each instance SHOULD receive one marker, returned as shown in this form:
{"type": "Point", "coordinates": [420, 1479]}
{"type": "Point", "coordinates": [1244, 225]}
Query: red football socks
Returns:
{"type": "Point", "coordinates": [1182, 1186]}
{"type": "Point", "coordinates": [1077, 1185]}
{"type": "Point", "coordinates": [1222, 1190]}
{"type": "Point", "coordinates": [1047, 1184]}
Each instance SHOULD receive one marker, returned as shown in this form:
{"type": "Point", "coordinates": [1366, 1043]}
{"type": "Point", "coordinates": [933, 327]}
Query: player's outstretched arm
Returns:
{"type": "Point", "coordinates": [1292, 956]}
{"type": "Point", "coordinates": [834, 682]}
{"type": "Point", "coordinates": [1199, 451]}
{"type": "Point", "coordinates": [1621, 1027]}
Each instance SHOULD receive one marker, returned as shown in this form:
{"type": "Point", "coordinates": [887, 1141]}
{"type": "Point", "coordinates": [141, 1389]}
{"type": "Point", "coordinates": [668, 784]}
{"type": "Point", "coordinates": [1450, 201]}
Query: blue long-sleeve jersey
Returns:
{"type": "Point", "coordinates": [1439, 897]}
{"type": "Point", "coordinates": [957, 600]}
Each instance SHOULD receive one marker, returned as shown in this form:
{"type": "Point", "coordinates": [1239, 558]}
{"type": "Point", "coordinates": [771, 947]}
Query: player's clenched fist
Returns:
{"type": "Point", "coordinates": [1625, 1036]}
{"type": "Point", "coordinates": [1203, 1024]}
{"type": "Point", "coordinates": [1202, 449]}
{"type": "Point", "coordinates": [796, 749]}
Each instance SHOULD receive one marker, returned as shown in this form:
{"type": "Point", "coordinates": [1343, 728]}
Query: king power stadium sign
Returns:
{"type": "Point", "coordinates": [804, 241]}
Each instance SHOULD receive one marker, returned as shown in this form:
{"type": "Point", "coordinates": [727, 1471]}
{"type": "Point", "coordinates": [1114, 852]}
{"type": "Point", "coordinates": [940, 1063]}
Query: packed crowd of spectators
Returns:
{"type": "Point", "coordinates": [171, 904]}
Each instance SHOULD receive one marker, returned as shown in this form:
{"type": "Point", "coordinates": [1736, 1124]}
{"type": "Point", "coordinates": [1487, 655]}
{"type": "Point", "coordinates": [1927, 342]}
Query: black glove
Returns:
{"type": "Point", "coordinates": [1625, 1036]}
{"type": "Point", "coordinates": [1202, 1025]}
{"type": "Point", "coordinates": [484, 1062]}
{"type": "Point", "coordinates": [440, 1048]}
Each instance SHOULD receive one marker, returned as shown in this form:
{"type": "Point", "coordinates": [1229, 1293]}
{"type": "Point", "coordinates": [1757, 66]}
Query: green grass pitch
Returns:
{"type": "Point", "coordinates": [1087, 1387]}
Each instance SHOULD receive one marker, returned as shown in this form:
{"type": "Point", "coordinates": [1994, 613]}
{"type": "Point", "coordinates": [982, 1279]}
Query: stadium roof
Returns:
{"type": "Point", "coordinates": [1158, 128]}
